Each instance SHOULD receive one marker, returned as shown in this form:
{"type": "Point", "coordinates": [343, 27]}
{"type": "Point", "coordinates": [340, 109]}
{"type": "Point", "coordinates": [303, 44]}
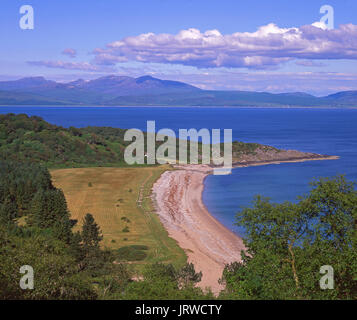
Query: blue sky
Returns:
{"type": "Point", "coordinates": [89, 39]}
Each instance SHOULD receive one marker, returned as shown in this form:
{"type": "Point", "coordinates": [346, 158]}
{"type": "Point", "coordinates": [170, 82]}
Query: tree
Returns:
{"type": "Point", "coordinates": [62, 230]}
{"type": "Point", "coordinates": [91, 234]}
{"type": "Point", "coordinates": [161, 281]}
{"type": "Point", "coordinates": [288, 243]}
{"type": "Point", "coordinates": [8, 211]}
{"type": "Point", "coordinates": [48, 208]}
{"type": "Point", "coordinates": [188, 276]}
{"type": "Point", "coordinates": [55, 273]}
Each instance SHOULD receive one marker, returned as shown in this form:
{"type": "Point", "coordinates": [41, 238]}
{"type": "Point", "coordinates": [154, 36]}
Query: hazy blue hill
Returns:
{"type": "Point", "coordinates": [124, 86]}
{"type": "Point", "coordinates": [164, 86]}
{"type": "Point", "coordinates": [26, 83]}
{"type": "Point", "coordinates": [97, 91]}
{"type": "Point", "coordinates": [220, 98]}
{"type": "Point", "coordinates": [344, 98]}
{"type": "Point", "coordinates": [21, 98]}
{"type": "Point", "coordinates": [150, 91]}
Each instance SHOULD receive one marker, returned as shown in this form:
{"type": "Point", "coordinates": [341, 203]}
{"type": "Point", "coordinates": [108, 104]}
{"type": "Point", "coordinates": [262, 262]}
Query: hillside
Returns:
{"type": "Point", "coordinates": [99, 91]}
{"type": "Point", "coordinates": [220, 98]}
{"type": "Point", "coordinates": [149, 91]}
{"type": "Point", "coordinates": [31, 139]}
{"type": "Point", "coordinates": [21, 98]}
{"type": "Point", "coordinates": [344, 98]}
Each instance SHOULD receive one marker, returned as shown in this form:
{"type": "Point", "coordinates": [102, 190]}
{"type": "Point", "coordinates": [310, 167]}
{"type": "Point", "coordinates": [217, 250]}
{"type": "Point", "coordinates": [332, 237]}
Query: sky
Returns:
{"type": "Point", "coordinates": [255, 45]}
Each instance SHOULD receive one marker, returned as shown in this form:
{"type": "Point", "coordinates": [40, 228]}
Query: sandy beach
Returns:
{"type": "Point", "coordinates": [208, 244]}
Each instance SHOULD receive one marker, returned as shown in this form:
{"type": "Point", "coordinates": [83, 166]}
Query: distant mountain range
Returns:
{"type": "Point", "coordinates": [149, 91]}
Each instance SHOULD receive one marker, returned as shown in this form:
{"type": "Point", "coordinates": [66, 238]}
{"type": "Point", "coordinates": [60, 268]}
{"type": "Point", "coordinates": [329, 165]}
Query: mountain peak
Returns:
{"type": "Point", "coordinates": [112, 77]}
{"type": "Point", "coordinates": [145, 78]}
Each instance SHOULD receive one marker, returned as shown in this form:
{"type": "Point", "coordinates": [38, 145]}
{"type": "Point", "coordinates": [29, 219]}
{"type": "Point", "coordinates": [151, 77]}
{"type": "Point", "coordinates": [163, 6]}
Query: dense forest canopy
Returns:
{"type": "Point", "coordinates": [31, 139]}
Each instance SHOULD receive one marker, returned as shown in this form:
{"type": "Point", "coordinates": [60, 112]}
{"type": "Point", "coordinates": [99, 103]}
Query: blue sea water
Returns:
{"type": "Point", "coordinates": [324, 131]}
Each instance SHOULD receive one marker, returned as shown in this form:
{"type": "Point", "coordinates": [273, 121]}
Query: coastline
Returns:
{"type": "Point", "coordinates": [209, 245]}
{"type": "Point", "coordinates": [291, 160]}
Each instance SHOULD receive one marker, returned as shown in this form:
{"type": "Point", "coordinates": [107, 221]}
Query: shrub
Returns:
{"type": "Point", "coordinates": [131, 253]}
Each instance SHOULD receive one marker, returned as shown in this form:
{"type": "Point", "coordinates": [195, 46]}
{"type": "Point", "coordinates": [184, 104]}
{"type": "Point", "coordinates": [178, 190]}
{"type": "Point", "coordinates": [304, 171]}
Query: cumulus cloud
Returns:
{"type": "Point", "coordinates": [72, 53]}
{"type": "Point", "coordinates": [267, 47]}
{"type": "Point", "coordinates": [83, 66]}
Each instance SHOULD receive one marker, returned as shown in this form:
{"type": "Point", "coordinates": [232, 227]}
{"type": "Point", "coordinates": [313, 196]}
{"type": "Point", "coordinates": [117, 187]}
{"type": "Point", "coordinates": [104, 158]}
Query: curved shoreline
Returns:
{"type": "Point", "coordinates": [208, 244]}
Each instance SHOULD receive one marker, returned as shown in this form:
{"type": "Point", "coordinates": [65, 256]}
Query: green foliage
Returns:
{"type": "Point", "coordinates": [126, 229]}
{"type": "Point", "coordinates": [70, 265]}
{"type": "Point", "coordinates": [56, 273]}
{"type": "Point", "coordinates": [91, 234]}
{"type": "Point", "coordinates": [160, 271]}
{"type": "Point", "coordinates": [288, 243]}
{"type": "Point", "coordinates": [8, 211]}
{"type": "Point", "coordinates": [19, 182]}
{"type": "Point", "coordinates": [47, 208]}
{"type": "Point", "coordinates": [139, 247]}
{"type": "Point", "coordinates": [113, 285]}
{"type": "Point", "coordinates": [188, 276]}
{"type": "Point", "coordinates": [162, 282]}
{"type": "Point", "coordinates": [65, 263]}
{"type": "Point", "coordinates": [31, 139]}
{"type": "Point", "coordinates": [131, 253]}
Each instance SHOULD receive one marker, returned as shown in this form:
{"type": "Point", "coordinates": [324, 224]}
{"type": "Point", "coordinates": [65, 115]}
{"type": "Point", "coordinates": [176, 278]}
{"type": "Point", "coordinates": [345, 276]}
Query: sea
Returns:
{"type": "Point", "coordinates": [323, 131]}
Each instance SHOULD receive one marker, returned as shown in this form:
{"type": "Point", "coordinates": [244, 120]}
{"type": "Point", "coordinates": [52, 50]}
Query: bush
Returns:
{"type": "Point", "coordinates": [131, 253]}
{"type": "Point", "coordinates": [140, 247]}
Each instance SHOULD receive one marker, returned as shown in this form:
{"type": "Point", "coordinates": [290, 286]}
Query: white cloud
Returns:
{"type": "Point", "coordinates": [269, 46]}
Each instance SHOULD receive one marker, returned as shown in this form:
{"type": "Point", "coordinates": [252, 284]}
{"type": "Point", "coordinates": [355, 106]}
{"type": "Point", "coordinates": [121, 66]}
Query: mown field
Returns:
{"type": "Point", "coordinates": [119, 200]}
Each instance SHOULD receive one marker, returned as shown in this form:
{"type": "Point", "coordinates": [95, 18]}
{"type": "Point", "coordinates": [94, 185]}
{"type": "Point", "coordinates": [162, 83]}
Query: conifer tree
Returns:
{"type": "Point", "coordinates": [91, 234]}
{"type": "Point", "coordinates": [8, 211]}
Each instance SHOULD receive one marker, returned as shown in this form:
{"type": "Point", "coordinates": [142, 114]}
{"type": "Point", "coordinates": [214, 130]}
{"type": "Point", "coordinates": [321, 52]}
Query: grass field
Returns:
{"type": "Point", "coordinates": [119, 199]}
